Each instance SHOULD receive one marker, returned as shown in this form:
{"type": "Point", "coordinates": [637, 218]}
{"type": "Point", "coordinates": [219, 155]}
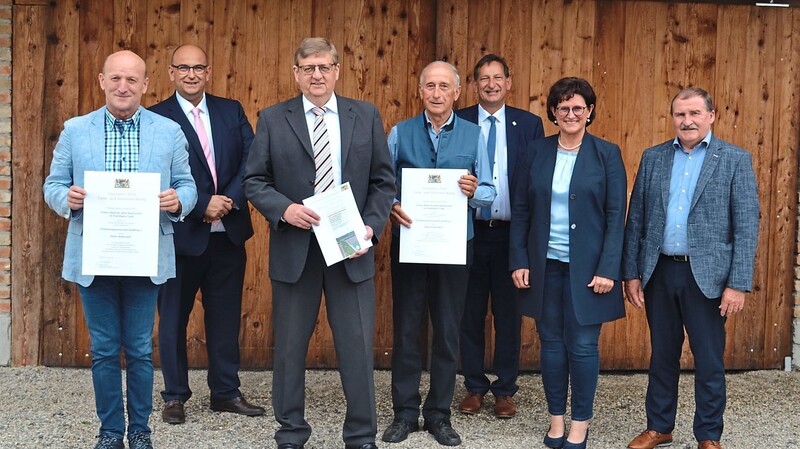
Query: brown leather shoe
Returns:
{"type": "Point", "coordinates": [708, 444]}
{"type": "Point", "coordinates": [237, 405]}
{"type": "Point", "coordinates": [504, 407]}
{"type": "Point", "coordinates": [173, 412]}
{"type": "Point", "coordinates": [471, 405]}
{"type": "Point", "coordinates": [650, 439]}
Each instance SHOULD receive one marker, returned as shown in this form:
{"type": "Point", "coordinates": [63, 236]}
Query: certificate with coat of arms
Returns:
{"type": "Point", "coordinates": [438, 210]}
{"type": "Point", "coordinates": [121, 223]}
{"type": "Point", "coordinates": [340, 232]}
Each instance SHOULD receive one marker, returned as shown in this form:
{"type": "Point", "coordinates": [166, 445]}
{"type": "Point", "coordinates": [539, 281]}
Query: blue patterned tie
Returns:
{"type": "Point", "coordinates": [491, 142]}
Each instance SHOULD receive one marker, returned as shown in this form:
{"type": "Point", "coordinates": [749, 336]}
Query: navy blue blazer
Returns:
{"type": "Point", "coordinates": [232, 136]}
{"type": "Point", "coordinates": [522, 127]}
{"type": "Point", "coordinates": [597, 205]}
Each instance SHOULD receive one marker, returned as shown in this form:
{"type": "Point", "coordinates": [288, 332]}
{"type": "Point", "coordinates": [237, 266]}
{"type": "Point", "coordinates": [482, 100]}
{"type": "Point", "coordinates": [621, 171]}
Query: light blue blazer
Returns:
{"type": "Point", "coordinates": [81, 148]}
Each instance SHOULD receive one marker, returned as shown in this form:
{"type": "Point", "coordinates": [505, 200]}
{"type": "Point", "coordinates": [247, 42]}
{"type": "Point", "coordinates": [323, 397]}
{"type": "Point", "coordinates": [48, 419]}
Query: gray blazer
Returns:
{"type": "Point", "coordinates": [81, 147]}
{"type": "Point", "coordinates": [281, 171]}
{"type": "Point", "coordinates": [723, 218]}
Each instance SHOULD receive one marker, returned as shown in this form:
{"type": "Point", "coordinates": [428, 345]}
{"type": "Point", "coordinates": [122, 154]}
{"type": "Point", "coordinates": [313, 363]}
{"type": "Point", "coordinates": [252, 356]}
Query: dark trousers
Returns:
{"type": "Point", "coordinates": [489, 276]}
{"type": "Point", "coordinates": [569, 351]}
{"type": "Point", "coordinates": [218, 273]}
{"type": "Point", "coordinates": [350, 310]}
{"type": "Point", "coordinates": [674, 302]}
{"type": "Point", "coordinates": [442, 288]}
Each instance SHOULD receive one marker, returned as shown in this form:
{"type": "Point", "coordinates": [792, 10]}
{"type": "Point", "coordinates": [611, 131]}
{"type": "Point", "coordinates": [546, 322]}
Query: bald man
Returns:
{"type": "Point", "coordinates": [437, 138]}
{"type": "Point", "coordinates": [209, 244]}
{"type": "Point", "coordinates": [120, 137]}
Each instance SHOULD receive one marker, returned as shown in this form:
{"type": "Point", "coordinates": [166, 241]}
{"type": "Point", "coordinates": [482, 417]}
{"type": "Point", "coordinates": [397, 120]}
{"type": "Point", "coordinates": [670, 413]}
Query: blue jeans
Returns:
{"type": "Point", "coordinates": [569, 354]}
{"type": "Point", "coordinates": [120, 312]}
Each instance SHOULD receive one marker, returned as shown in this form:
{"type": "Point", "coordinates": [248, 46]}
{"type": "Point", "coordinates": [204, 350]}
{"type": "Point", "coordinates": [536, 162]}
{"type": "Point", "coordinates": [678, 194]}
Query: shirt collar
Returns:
{"type": "Point", "coordinates": [187, 106]}
{"type": "Point", "coordinates": [448, 125]}
{"type": "Point", "coordinates": [133, 120]}
{"type": "Point", "coordinates": [676, 144]}
{"type": "Point", "coordinates": [500, 115]}
{"type": "Point", "coordinates": [331, 106]}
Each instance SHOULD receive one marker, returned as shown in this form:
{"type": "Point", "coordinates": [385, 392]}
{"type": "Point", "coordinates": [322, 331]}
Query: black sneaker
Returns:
{"type": "Point", "coordinates": [139, 440]}
{"type": "Point", "coordinates": [109, 442]}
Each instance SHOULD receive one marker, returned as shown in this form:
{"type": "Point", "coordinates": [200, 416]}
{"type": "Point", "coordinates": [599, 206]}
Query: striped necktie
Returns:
{"type": "Point", "coordinates": [322, 152]}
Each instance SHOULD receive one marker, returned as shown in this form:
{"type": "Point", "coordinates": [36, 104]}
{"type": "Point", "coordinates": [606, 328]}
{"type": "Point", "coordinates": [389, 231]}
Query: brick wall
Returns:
{"type": "Point", "coordinates": [796, 327]}
{"type": "Point", "coordinates": [5, 181]}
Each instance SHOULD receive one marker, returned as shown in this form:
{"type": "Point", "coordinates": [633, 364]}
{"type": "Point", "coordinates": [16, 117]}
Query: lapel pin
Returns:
{"type": "Point", "coordinates": [514, 123]}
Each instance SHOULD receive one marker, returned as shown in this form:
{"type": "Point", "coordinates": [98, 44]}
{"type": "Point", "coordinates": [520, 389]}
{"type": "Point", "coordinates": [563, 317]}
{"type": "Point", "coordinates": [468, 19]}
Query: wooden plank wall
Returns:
{"type": "Point", "coordinates": [636, 55]}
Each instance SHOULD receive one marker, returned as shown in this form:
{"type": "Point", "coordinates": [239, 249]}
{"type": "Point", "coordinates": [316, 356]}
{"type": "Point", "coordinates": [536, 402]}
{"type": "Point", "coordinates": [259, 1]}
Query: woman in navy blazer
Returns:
{"type": "Point", "coordinates": [567, 226]}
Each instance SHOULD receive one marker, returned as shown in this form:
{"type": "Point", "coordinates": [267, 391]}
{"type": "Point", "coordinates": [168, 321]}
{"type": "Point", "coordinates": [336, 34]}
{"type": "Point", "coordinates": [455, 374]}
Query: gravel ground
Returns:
{"type": "Point", "coordinates": [53, 408]}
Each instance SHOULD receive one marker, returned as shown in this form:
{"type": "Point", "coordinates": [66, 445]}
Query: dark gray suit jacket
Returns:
{"type": "Point", "coordinates": [723, 218]}
{"type": "Point", "coordinates": [281, 171]}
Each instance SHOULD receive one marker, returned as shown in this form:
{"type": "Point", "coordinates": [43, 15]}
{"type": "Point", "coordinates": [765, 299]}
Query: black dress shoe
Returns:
{"type": "Point", "coordinates": [237, 405]}
{"type": "Point", "coordinates": [289, 446]}
{"type": "Point", "coordinates": [444, 433]}
{"type": "Point", "coordinates": [399, 430]}
{"type": "Point", "coordinates": [363, 446]}
{"type": "Point", "coordinates": [173, 412]}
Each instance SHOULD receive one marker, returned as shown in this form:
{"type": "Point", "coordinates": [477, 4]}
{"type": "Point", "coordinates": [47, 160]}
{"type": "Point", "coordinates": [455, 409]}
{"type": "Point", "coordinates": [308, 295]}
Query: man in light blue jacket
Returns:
{"type": "Point", "coordinates": [120, 310]}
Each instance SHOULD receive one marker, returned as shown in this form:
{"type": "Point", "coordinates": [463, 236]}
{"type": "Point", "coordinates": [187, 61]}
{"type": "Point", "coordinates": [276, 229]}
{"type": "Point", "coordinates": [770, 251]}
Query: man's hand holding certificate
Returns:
{"type": "Point", "coordinates": [436, 201]}
{"type": "Point", "coordinates": [340, 231]}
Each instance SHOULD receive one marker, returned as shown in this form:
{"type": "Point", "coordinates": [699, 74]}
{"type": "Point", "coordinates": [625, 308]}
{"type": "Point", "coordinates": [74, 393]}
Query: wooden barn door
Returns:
{"type": "Point", "coordinates": [636, 55]}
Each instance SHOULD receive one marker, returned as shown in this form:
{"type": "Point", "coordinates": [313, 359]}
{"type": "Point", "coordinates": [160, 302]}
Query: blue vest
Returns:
{"type": "Point", "coordinates": [458, 148]}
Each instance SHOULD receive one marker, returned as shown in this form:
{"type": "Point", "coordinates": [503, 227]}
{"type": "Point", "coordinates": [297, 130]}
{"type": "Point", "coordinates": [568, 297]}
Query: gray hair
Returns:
{"type": "Point", "coordinates": [444, 63]}
{"type": "Point", "coordinates": [315, 46]}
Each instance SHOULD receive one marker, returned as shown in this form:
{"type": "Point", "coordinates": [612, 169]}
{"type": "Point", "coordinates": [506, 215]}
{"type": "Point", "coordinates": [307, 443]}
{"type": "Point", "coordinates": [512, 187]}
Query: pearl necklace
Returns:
{"type": "Point", "coordinates": [564, 147]}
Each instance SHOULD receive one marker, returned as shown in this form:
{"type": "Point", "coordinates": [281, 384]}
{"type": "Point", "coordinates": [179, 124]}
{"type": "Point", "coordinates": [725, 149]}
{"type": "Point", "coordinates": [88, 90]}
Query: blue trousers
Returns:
{"type": "Point", "coordinates": [569, 351]}
{"type": "Point", "coordinates": [120, 312]}
{"type": "Point", "coordinates": [674, 302]}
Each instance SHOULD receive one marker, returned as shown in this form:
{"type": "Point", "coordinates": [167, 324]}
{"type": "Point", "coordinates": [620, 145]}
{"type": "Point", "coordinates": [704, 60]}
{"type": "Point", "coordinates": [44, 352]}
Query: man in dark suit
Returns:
{"type": "Point", "coordinates": [209, 243]}
{"type": "Point", "coordinates": [347, 140]}
{"type": "Point", "coordinates": [507, 131]}
{"type": "Point", "coordinates": [690, 246]}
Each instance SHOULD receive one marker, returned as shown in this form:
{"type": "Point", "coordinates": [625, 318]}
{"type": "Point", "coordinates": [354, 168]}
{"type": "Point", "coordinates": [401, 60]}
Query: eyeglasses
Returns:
{"type": "Point", "coordinates": [323, 68]}
{"type": "Point", "coordinates": [577, 110]}
{"type": "Point", "coordinates": [183, 69]}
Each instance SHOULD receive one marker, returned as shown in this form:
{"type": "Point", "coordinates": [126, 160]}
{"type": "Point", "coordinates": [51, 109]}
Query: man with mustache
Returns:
{"type": "Point", "coordinates": [690, 245]}
{"type": "Point", "coordinates": [507, 132]}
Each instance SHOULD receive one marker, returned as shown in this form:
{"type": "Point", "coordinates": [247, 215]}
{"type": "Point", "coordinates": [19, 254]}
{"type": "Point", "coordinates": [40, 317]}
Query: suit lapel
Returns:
{"type": "Point", "coordinates": [97, 139]}
{"type": "Point", "coordinates": [179, 117]}
{"type": "Point", "coordinates": [549, 164]}
{"type": "Point", "coordinates": [347, 121]}
{"type": "Point", "coordinates": [218, 130]}
{"type": "Point", "coordinates": [585, 154]}
{"type": "Point", "coordinates": [297, 121]}
{"type": "Point", "coordinates": [709, 165]}
{"type": "Point", "coordinates": [512, 144]}
{"type": "Point", "coordinates": [667, 156]}
{"type": "Point", "coordinates": [147, 135]}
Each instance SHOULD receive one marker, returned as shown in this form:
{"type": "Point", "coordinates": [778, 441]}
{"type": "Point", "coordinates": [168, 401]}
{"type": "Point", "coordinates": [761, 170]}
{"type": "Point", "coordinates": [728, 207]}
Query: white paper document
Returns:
{"type": "Point", "coordinates": [437, 207]}
{"type": "Point", "coordinates": [121, 223]}
{"type": "Point", "coordinates": [341, 230]}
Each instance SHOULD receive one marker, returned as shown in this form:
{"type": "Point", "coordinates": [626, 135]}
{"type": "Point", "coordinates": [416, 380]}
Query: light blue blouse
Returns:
{"type": "Point", "coordinates": [558, 245]}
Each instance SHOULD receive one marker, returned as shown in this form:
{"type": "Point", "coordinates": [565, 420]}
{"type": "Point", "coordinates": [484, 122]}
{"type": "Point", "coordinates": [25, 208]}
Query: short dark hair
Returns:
{"type": "Point", "coordinates": [693, 91]}
{"type": "Point", "coordinates": [488, 59]}
{"type": "Point", "coordinates": [566, 88]}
